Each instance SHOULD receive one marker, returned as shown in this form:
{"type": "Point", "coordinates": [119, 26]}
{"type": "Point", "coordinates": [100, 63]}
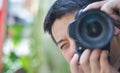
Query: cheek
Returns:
{"type": "Point", "coordinates": [68, 54]}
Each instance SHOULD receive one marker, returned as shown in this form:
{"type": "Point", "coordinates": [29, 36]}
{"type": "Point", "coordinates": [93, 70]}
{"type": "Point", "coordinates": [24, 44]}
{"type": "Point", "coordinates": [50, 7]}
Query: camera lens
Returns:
{"type": "Point", "coordinates": [92, 28]}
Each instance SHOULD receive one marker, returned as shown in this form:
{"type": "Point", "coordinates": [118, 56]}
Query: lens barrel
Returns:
{"type": "Point", "coordinates": [91, 29]}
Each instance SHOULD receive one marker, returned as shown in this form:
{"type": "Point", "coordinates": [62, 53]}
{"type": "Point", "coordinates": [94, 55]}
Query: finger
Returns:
{"type": "Point", "coordinates": [104, 63]}
{"type": "Point", "coordinates": [74, 64]}
{"type": "Point", "coordinates": [95, 5]}
{"type": "Point", "coordinates": [117, 31]}
{"type": "Point", "coordinates": [84, 61]}
{"type": "Point", "coordinates": [94, 61]}
{"type": "Point", "coordinates": [116, 20]}
{"type": "Point", "coordinates": [111, 6]}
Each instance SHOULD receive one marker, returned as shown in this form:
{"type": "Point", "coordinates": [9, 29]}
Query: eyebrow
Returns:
{"type": "Point", "coordinates": [60, 41]}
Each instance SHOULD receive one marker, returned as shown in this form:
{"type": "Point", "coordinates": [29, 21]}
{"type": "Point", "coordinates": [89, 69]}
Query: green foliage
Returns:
{"type": "Point", "coordinates": [13, 57]}
{"type": "Point", "coordinates": [44, 56]}
{"type": "Point", "coordinates": [11, 61]}
{"type": "Point", "coordinates": [16, 32]}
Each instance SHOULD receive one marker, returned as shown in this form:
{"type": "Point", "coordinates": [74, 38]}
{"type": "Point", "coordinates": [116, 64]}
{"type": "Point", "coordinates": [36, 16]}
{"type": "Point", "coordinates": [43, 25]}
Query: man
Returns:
{"type": "Point", "coordinates": [56, 23]}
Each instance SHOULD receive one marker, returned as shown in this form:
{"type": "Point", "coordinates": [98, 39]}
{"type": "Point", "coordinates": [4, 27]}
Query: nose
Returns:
{"type": "Point", "coordinates": [72, 44]}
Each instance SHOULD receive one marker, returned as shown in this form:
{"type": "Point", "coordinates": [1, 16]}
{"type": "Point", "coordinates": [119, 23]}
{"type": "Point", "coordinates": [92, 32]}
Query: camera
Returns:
{"type": "Point", "coordinates": [91, 29]}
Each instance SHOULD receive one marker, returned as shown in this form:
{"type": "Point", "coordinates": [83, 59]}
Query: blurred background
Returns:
{"type": "Point", "coordinates": [26, 48]}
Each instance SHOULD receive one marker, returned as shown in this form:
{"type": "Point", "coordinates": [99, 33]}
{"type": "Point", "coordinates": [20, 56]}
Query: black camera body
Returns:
{"type": "Point", "coordinates": [91, 29]}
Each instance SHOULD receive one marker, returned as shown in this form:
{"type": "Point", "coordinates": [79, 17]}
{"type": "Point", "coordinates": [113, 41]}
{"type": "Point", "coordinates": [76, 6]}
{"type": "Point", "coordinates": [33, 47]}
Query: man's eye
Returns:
{"type": "Point", "coordinates": [64, 46]}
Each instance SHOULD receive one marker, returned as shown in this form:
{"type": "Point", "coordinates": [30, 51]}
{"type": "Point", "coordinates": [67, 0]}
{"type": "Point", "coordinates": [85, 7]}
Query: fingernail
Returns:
{"type": "Point", "coordinates": [76, 55]}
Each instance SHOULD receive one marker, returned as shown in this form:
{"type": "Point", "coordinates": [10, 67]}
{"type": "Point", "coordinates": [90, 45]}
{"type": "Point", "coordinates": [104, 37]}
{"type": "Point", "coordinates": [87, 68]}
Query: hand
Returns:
{"type": "Point", "coordinates": [111, 7]}
{"type": "Point", "coordinates": [95, 61]}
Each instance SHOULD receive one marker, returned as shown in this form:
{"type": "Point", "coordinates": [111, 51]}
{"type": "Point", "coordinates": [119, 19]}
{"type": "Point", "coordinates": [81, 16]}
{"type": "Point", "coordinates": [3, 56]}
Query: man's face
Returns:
{"type": "Point", "coordinates": [59, 31]}
{"type": "Point", "coordinates": [65, 43]}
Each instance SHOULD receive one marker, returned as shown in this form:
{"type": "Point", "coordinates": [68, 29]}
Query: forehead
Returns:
{"type": "Point", "coordinates": [59, 28]}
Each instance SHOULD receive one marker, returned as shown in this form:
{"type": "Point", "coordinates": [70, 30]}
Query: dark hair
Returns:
{"type": "Point", "coordinates": [61, 8]}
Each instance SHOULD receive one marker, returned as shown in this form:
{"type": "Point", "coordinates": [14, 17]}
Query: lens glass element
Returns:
{"type": "Point", "coordinates": [93, 29]}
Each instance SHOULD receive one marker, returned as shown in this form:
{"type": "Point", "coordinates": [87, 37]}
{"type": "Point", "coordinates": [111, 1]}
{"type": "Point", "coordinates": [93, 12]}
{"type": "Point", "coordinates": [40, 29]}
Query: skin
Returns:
{"type": "Point", "coordinates": [90, 61]}
{"type": "Point", "coordinates": [59, 31]}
